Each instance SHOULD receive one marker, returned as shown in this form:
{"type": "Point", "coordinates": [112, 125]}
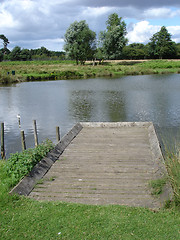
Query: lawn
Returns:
{"type": "Point", "coordinates": [22, 218]}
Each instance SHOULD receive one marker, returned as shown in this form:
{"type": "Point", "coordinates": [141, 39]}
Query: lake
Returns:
{"type": "Point", "coordinates": [62, 103]}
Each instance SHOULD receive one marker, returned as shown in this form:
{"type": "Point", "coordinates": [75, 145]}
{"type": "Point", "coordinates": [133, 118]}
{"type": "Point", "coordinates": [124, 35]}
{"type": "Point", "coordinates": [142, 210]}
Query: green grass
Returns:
{"type": "Point", "coordinates": [173, 166]}
{"type": "Point", "coordinates": [24, 218]}
{"type": "Point", "coordinates": [52, 70]}
{"type": "Point", "coordinates": [157, 185]}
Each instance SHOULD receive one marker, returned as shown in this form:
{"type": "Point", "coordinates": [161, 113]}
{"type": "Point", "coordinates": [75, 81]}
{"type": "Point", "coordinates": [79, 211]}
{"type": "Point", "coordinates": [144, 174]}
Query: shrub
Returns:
{"type": "Point", "coordinates": [20, 164]}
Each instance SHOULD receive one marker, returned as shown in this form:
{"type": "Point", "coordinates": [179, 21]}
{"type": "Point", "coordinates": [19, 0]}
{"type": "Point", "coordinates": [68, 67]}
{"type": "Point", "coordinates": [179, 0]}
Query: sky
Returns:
{"type": "Point", "coordinates": [35, 23]}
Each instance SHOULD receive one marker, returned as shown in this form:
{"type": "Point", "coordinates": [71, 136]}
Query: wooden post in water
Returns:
{"type": "Point", "coordinates": [2, 142]}
{"type": "Point", "coordinates": [57, 134]}
{"type": "Point", "coordinates": [35, 133]}
{"type": "Point", "coordinates": [23, 142]}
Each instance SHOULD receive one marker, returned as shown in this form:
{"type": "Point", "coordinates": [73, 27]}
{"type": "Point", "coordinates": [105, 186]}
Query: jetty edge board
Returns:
{"type": "Point", "coordinates": [27, 184]}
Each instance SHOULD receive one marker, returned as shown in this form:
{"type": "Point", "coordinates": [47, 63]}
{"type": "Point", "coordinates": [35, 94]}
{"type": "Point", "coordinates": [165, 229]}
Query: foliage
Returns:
{"type": "Point", "coordinates": [161, 45]}
{"type": "Point", "coordinates": [113, 39]}
{"type": "Point", "coordinates": [80, 42]}
{"type": "Point", "coordinates": [134, 51]}
{"type": "Point", "coordinates": [178, 50]}
{"type": "Point", "coordinates": [45, 54]}
{"type": "Point", "coordinates": [19, 164]}
{"type": "Point", "coordinates": [1, 55]}
{"type": "Point", "coordinates": [5, 41]}
{"type": "Point", "coordinates": [18, 54]}
{"type": "Point", "coordinates": [25, 55]}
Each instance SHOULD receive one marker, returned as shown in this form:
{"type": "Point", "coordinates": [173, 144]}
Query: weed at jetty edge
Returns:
{"type": "Point", "coordinates": [20, 164]}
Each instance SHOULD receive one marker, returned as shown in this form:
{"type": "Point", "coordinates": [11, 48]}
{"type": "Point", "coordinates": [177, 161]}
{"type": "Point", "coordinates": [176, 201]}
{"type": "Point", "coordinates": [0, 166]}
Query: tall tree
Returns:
{"type": "Point", "coordinates": [5, 42]}
{"type": "Point", "coordinates": [113, 39]}
{"type": "Point", "coordinates": [1, 56]}
{"type": "Point", "coordinates": [161, 45]}
{"type": "Point", "coordinates": [80, 42]}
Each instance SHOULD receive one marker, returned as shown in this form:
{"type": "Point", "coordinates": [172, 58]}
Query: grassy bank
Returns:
{"type": "Point", "coordinates": [23, 218]}
{"type": "Point", "coordinates": [51, 70]}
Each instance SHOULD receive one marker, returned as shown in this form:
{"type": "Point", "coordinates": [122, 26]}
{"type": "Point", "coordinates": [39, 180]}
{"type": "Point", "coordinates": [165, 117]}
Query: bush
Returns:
{"type": "Point", "coordinates": [20, 164]}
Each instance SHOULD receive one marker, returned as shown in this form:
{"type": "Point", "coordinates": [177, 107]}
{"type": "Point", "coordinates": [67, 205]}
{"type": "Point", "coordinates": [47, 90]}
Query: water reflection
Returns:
{"type": "Point", "coordinates": [115, 104]}
{"type": "Point", "coordinates": [81, 105]}
{"type": "Point", "coordinates": [62, 103]}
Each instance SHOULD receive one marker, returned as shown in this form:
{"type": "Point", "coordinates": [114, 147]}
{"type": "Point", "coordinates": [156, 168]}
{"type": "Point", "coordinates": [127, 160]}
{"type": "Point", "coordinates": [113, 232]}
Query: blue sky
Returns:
{"type": "Point", "coordinates": [36, 23]}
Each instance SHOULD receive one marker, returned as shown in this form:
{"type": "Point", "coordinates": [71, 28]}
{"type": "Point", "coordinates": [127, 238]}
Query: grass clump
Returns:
{"type": "Point", "coordinates": [157, 186]}
{"type": "Point", "coordinates": [173, 166]}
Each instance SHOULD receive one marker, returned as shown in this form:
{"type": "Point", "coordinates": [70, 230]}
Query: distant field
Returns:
{"type": "Point", "coordinates": [12, 72]}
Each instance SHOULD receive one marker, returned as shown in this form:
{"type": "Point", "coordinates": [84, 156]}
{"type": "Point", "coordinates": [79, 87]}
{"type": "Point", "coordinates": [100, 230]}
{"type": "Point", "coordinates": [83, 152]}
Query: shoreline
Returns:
{"type": "Point", "coordinates": [16, 72]}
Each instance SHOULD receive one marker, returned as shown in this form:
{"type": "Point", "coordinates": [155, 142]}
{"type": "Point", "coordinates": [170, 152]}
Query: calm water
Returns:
{"type": "Point", "coordinates": [62, 103]}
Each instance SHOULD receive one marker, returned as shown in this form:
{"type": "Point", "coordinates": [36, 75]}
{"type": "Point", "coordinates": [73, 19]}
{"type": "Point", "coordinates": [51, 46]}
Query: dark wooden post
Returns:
{"type": "Point", "coordinates": [35, 133]}
{"type": "Point", "coordinates": [2, 142]}
{"type": "Point", "coordinates": [57, 134]}
{"type": "Point", "coordinates": [23, 140]}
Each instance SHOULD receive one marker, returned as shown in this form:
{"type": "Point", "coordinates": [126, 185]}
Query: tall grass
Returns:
{"type": "Point", "coordinates": [172, 160]}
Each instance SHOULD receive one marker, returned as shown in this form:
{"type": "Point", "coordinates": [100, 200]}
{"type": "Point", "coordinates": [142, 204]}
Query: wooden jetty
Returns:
{"type": "Point", "coordinates": [101, 163]}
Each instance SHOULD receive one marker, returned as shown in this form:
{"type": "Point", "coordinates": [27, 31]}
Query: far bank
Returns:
{"type": "Point", "coordinates": [22, 71]}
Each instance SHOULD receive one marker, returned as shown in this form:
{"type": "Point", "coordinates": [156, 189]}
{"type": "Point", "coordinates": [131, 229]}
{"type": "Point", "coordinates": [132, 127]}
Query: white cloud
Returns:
{"type": "Point", "coordinates": [6, 20]}
{"type": "Point", "coordinates": [141, 32]}
{"type": "Point", "coordinates": [175, 32]}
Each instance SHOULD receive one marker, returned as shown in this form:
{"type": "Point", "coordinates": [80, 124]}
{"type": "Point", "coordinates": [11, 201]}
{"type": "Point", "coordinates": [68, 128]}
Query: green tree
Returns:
{"type": "Point", "coordinates": [20, 55]}
{"type": "Point", "coordinates": [1, 55]}
{"type": "Point", "coordinates": [161, 45]}
{"type": "Point", "coordinates": [15, 54]}
{"type": "Point", "coordinates": [80, 42]}
{"type": "Point", "coordinates": [25, 55]}
{"type": "Point", "coordinates": [43, 51]}
{"type": "Point", "coordinates": [112, 40]}
{"type": "Point", "coordinates": [5, 42]}
{"type": "Point", "coordinates": [134, 51]}
{"type": "Point", "coordinates": [178, 50]}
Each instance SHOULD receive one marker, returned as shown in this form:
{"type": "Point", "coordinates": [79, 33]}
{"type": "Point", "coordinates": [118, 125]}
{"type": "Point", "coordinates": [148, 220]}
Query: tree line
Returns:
{"type": "Point", "coordinates": [81, 44]}
{"type": "Point", "coordinates": [18, 54]}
